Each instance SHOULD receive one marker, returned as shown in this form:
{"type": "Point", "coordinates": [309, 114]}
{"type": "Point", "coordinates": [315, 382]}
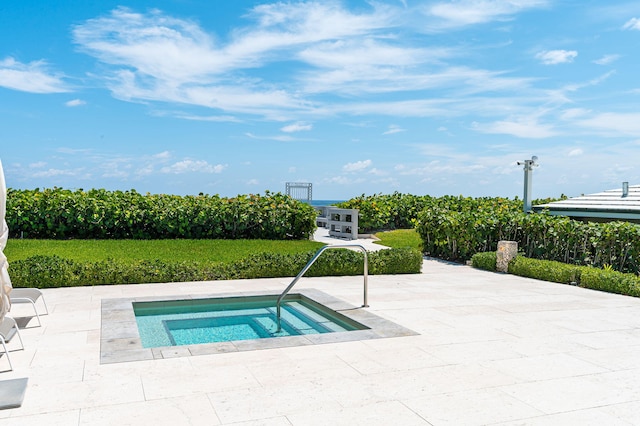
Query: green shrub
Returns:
{"type": "Point", "coordinates": [384, 212]}
{"type": "Point", "coordinates": [456, 229]}
{"type": "Point", "coordinates": [546, 270]}
{"type": "Point", "coordinates": [485, 260]}
{"type": "Point", "coordinates": [395, 261]}
{"type": "Point", "coordinates": [99, 214]}
{"type": "Point", "coordinates": [45, 272]}
{"type": "Point", "coordinates": [610, 281]}
{"type": "Point", "coordinates": [54, 271]}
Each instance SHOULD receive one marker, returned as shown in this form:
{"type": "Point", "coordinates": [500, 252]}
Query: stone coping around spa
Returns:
{"type": "Point", "coordinates": [120, 339]}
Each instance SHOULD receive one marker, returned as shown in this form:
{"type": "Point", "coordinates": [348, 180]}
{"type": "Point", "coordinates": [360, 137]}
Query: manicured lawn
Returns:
{"type": "Point", "coordinates": [225, 251]}
{"type": "Point", "coordinates": [400, 238]}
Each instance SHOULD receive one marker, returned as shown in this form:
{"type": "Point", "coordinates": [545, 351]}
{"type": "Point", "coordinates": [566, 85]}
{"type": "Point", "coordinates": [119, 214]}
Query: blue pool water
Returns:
{"type": "Point", "coordinates": [195, 321]}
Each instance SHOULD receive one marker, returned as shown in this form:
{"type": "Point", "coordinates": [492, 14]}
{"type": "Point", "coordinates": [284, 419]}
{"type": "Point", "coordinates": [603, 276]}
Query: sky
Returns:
{"type": "Point", "coordinates": [356, 97]}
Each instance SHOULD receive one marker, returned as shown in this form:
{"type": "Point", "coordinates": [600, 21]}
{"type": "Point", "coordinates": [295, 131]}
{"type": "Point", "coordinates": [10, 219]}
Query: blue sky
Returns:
{"type": "Point", "coordinates": [237, 97]}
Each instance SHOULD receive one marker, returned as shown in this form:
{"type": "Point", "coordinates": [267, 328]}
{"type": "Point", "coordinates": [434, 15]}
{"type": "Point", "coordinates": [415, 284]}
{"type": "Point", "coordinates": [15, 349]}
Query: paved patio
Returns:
{"type": "Point", "coordinates": [491, 349]}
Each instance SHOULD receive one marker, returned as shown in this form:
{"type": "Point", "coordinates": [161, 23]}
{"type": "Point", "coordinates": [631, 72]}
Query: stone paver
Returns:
{"type": "Point", "coordinates": [490, 349]}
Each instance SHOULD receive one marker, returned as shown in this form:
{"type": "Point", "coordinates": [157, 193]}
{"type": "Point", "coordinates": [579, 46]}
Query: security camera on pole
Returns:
{"type": "Point", "coordinates": [528, 168]}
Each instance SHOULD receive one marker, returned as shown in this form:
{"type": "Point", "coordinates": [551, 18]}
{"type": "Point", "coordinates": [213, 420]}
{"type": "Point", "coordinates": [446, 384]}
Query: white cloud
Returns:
{"type": "Point", "coordinates": [378, 172]}
{"type": "Point", "coordinates": [341, 52]}
{"type": "Point", "coordinates": [553, 57]}
{"type": "Point", "coordinates": [75, 103]}
{"type": "Point", "coordinates": [33, 77]}
{"type": "Point", "coordinates": [573, 113]}
{"type": "Point", "coordinates": [357, 166]}
{"type": "Point", "coordinates": [527, 128]}
{"type": "Point", "coordinates": [632, 24]}
{"type": "Point", "coordinates": [343, 180]}
{"type": "Point", "coordinates": [607, 59]}
{"type": "Point", "coordinates": [253, 182]}
{"type": "Point", "coordinates": [613, 124]}
{"type": "Point", "coordinates": [212, 118]}
{"type": "Point", "coordinates": [394, 129]}
{"type": "Point", "coordinates": [193, 166]}
{"type": "Point", "coordinates": [194, 68]}
{"type": "Point", "coordinates": [279, 138]}
{"type": "Point", "coordinates": [162, 155]}
{"type": "Point", "coordinates": [49, 173]}
{"type": "Point", "coordinates": [576, 152]}
{"type": "Point", "coordinates": [296, 127]}
{"type": "Point", "coordinates": [468, 12]}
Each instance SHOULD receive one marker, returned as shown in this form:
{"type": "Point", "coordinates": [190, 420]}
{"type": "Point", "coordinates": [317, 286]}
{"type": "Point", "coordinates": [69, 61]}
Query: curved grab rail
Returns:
{"type": "Point", "coordinates": [311, 262]}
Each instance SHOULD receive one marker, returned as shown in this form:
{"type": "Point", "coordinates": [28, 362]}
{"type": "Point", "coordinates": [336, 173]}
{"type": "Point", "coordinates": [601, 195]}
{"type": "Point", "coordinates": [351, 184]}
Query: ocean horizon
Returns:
{"type": "Point", "coordinates": [325, 202]}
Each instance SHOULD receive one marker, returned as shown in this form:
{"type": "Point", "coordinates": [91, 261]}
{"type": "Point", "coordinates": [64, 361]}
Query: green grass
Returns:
{"type": "Point", "coordinates": [225, 251]}
{"type": "Point", "coordinates": [400, 238]}
{"type": "Point", "coordinates": [205, 251]}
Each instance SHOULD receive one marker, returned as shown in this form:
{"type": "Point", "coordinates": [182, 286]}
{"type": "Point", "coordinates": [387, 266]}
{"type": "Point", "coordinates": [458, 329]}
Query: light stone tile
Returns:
{"type": "Point", "coordinates": [212, 348]}
{"type": "Point", "coordinates": [56, 371]}
{"type": "Point", "coordinates": [544, 345]}
{"type": "Point", "coordinates": [544, 367]}
{"type": "Point", "coordinates": [592, 417]}
{"type": "Point", "coordinates": [450, 335]}
{"type": "Point", "coordinates": [461, 353]}
{"type": "Point", "coordinates": [174, 352]}
{"type": "Point", "coordinates": [41, 398]}
{"type": "Point", "coordinates": [567, 394]}
{"type": "Point", "coordinates": [272, 421]}
{"type": "Point", "coordinates": [457, 310]}
{"type": "Point", "coordinates": [244, 405]}
{"type": "Point", "coordinates": [120, 330]}
{"type": "Point", "coordinates": [525, 328]}
{"type": "Point", "coordinates": [287, 370]}
{"type": "Point", "coordinates": [475, 407]}
{"type": "Point", "coordinates": [624, 382]}
{"type": "Point", "coordinates": [375, 388]}
{"type": "Point", "coordinates": [61, 418]}
{"type": "Point", "coordinates": [391, 360]}
{"type": "Point", "coordinates": [380, 413]}
{"type": "Point", "coordinates": [169, 382]}
{"type": "Point", "coordinates": [616, 358]}
{"type": "Point", "coordinates": [192, 410]}
{"type": "Point", "coordinates": [126, 356]}
{"type": "Point", "coordinates": [628, 412]}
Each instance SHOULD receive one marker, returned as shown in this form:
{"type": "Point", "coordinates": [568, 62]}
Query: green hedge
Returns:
{"type": "Point", "coordinates": [610, 281]}
{"type": "Point", "coordinates": [585, 276]}
{"type": "Point", "coordinates": [54, 271]}
{"type": "Point", "coordinates": [460, 230]}
{"type": "Point", "coordinates": [547, 270]}
{"type": "Point", "coordinates": [486, 260]}
{"type": "Point", "coordinates": [99, 214]}
{"type": "Point", "coordinates": [401, 211]}
{"type": "Point", "coordinates": [387, 212]}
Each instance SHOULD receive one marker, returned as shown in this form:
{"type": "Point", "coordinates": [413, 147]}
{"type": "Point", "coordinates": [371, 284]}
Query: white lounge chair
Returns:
{"type": "Point", "coordinates": [29, 295]}
{"type": "Point", "coordinates": [9, 329]}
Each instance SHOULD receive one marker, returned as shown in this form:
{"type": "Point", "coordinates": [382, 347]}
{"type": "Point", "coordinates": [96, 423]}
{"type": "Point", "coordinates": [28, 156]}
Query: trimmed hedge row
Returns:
{"type": "Point", "coordinates": [54, 271]}
{"type": "Point", "coordinates": [610, 281]}
{"type": "Point", "coordinates": [486, 260]}
{"type": "Point", "coordinates": [476, 226]}
{"type": "Point", "coordinates": [584, 276]}
{"type": "Point", "coordinates": [99, 214]}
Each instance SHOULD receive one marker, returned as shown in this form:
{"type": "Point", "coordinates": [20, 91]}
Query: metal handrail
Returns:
{"type": "Point", "coordinates": [311, 262]}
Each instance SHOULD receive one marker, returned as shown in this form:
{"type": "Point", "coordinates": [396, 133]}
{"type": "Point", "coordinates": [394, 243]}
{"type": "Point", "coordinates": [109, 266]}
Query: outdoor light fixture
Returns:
{"type": "Point", "coordinates": [528, 168]}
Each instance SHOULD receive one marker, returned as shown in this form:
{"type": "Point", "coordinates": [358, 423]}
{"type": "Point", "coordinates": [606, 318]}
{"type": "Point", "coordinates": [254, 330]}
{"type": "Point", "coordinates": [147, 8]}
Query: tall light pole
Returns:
{"type": "Point", "coordinates": [528, 169]}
